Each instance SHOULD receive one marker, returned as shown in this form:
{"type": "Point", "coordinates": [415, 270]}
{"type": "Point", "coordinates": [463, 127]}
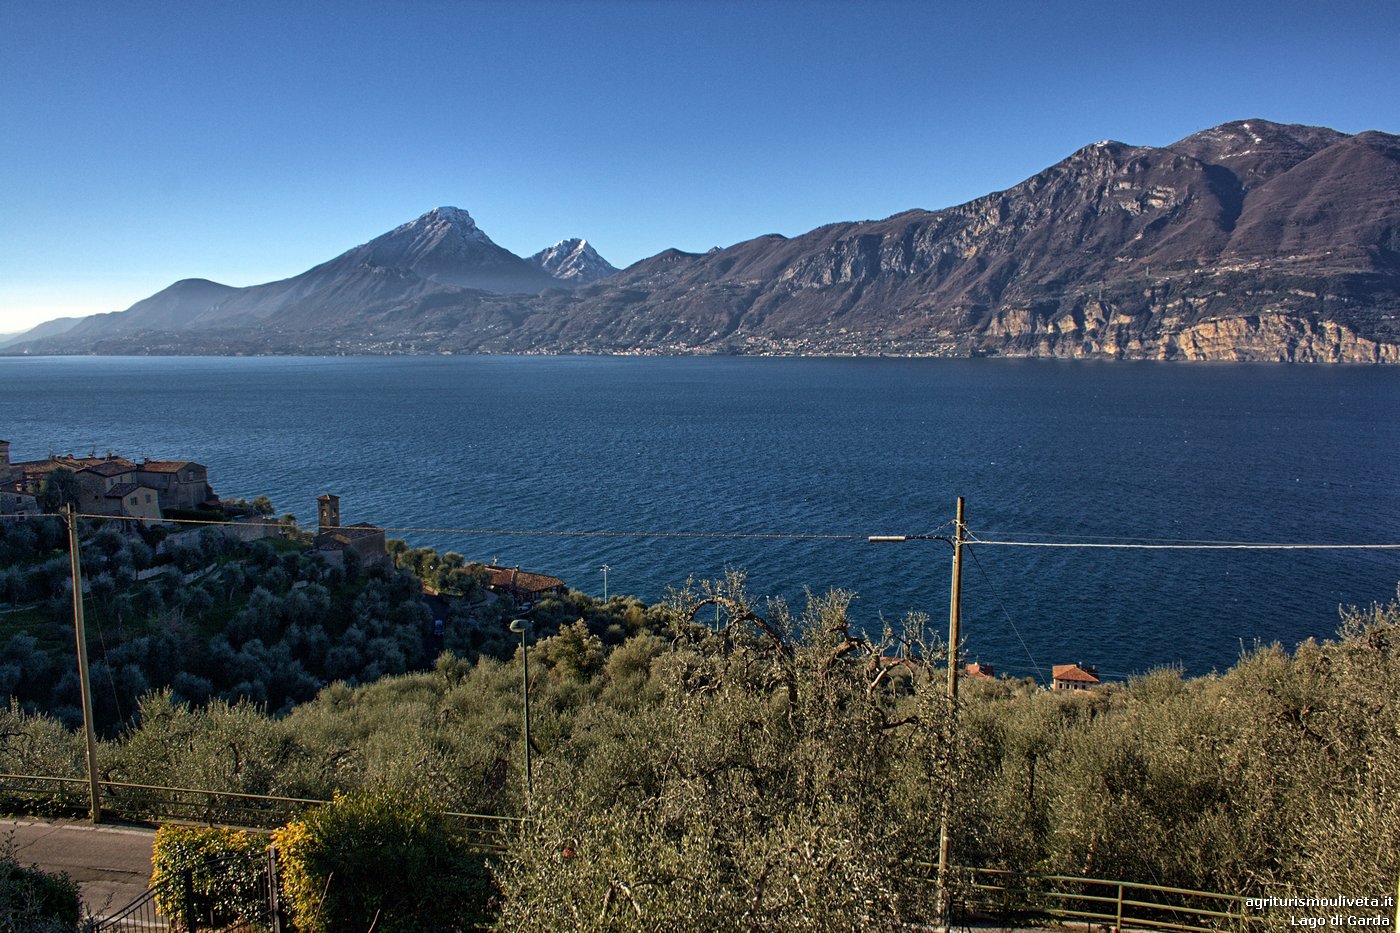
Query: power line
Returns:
{"type": "Point", "coordinates": [986, 576]}
{"type": "Point", "coordinates": [517, 532]}
{"type": "Point", "coordinates": [1222, 546]}
{"type": "Point", "coordinates": [1124, 543]}
{"type": "Point", "coordinates": [634, 534]}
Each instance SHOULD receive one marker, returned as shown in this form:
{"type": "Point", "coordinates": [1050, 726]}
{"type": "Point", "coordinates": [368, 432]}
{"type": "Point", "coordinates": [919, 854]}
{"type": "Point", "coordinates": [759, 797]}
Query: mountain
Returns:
{"type": "Point", "coordinates": [441, 256]}
{"type": "Point", "coordinates": [1251, 240]}
{"type": "Point", "coordinates": [1283, 246]}
{"type": "Point", "coordinates": [574, 262]}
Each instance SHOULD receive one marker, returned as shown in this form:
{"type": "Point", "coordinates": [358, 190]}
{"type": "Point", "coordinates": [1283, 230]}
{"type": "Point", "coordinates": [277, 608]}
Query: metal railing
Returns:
{"type": "Point", "coordinates": [52, 795]}
{"type": "Point", "coordinates": [199, 899]}
{"type": "Point", "coordinates": [1108, 903]}
{"type": "Point", "coordinates": [140, 916]}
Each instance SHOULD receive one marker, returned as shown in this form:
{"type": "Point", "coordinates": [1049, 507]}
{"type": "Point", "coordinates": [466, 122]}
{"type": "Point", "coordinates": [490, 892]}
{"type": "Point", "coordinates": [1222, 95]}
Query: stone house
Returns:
{"type": "Point", "coordinates": [523, 586]}
{"type": "Point", "coordinates": [113, 487]}
{"type": "Point", "coordinates": [1074, 676]}
{"type": "Point", "coordinates": [131, 500]}
{"type": "Point", "coordinates": [181, 484]}
{"type": "Point", "coordinates": [33, 473]}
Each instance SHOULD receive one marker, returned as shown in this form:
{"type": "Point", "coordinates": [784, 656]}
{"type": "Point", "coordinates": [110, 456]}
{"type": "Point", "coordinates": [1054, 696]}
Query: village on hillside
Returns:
{"type": "Point", "coordinates": [175, 492]}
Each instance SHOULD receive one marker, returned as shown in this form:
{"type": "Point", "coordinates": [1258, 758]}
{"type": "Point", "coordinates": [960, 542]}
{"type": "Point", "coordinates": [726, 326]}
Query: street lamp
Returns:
{"type": "Point", "coordinates": [521, 627]}
{"type": "Point", "coordinates": [605, 569]}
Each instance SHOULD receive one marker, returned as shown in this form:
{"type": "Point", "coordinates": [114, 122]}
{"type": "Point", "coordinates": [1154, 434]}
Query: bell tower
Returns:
{"type": "Point", "coordinates": [327, 512]}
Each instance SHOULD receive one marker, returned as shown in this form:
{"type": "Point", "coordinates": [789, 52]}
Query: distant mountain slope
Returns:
{"type": "Point", "coordinates": [38, 332]}
{"type": "Point", "coordinates": [173, 308]}
{"type": "Point", "coordinates": [1251, 240]}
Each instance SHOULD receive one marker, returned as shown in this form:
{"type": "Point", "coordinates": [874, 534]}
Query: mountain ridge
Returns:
{"type": "Point", "coordinates": [1249, 240]}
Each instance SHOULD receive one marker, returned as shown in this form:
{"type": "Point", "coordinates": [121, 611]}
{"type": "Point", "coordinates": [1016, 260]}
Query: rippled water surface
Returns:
{"type": "Point", "coordinates": [820, 447]}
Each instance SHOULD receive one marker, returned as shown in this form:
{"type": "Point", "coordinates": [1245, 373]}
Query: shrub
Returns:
{"type": "Point", "coordinates": [227, 868]}
{"type": "Point", "coordinates": [380, 859]}
{"type": "Point", "coordinates": [35, 901]}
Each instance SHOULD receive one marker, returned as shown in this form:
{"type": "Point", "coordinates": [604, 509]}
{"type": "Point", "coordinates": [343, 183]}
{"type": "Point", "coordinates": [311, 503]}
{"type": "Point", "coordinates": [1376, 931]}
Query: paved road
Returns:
{"type": "Point", "coordinates": [112, 864]}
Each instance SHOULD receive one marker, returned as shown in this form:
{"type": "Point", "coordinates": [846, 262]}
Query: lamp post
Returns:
{"type": "Point", "coordinates": [605, 569]}
{"type": "Point", "coordinates": [521, 627]}
{"type": "Point", "coordinates": [945, 838]}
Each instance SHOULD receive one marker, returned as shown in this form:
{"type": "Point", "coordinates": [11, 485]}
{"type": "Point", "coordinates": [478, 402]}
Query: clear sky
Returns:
{"type": "Point", "coordinates": [141, 143]}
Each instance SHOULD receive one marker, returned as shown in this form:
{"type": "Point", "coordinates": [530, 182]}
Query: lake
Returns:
{"type": "Point", "coordinates": [1042, 451]}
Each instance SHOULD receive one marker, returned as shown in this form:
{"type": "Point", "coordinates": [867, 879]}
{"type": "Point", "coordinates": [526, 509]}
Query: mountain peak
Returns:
{"type": "Point", "coordinates": [1257, 147]}
{"type": "Point", "coordinates": [442, 223]}
{"type": "Point", "coordinates": [447, 247]}
{"type": "Point", "coordinates": [448, 215]}
{"type": "Point", "coordinates": [573, 261]}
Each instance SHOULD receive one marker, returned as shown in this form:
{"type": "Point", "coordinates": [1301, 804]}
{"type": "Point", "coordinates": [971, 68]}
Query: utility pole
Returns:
{"type": "Point", "coordinates": [80, 629]}
{"type": "Point", "coordinates": [522, 627]}
{"type": "Point", "coordinates": [945, 838]}
{"type": "Point", "coordinates": [954, 637]}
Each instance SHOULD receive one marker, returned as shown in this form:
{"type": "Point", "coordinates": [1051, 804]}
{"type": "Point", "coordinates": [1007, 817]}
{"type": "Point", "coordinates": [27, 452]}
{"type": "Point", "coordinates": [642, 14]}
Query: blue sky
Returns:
{"type": "Point", "coordinates": [141, 143]}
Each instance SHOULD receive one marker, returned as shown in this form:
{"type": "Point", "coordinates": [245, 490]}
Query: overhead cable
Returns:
{"type": "Point", "coordinates": [1131, 543]}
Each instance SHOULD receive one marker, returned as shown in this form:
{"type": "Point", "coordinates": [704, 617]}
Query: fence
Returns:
{"type": "Point", "coordinates": [225, 894]}
{"type": "Point", "coordinates": [1096, 901]}
{"type": "Point", "coordinates": [65, 796]}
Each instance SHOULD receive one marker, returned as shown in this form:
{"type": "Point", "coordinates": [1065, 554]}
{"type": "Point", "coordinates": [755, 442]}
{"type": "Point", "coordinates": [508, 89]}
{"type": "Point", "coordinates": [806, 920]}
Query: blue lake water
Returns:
{"type": "Point", "coordinates": [1216, 452]}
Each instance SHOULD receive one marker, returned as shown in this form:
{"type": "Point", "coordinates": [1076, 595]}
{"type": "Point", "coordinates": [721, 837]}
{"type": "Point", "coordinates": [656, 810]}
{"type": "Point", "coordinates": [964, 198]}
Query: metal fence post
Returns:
{"type": "Point", "coordinates": [191, 924]}
{"type": "Point", "coordinates": [274, 901]}
{"type": "Point", "coordinates": [1118, 924]}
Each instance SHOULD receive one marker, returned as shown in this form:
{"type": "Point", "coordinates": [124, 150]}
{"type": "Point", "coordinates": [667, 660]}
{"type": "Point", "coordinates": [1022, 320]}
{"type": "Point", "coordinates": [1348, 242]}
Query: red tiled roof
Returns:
{"type": "Point", "coordinates": [81, 463]}
{"type": "Point", "coordinates": [109, 468]}
{"type": "Point", "coordinates": [522, 580]}
{"type": "Point", "coordinates": [40, 467]}
{"type": "Point", "coordinates": [978, 669]}
{"type": "Point", "coordinates": [1073, 673]}
{"type": "Point", "coordinates": [338, 538]}
{"type": "Point", "coordinates": [121, 489]}
{"type": "Point", "coordinates": [50, 464]}
{"type": "Point", "coordinates": [165, 466]}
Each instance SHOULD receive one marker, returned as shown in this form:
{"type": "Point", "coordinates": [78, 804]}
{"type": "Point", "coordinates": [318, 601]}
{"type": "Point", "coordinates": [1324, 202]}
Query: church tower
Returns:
{"type": "Point", "coordinates": [327, 512]}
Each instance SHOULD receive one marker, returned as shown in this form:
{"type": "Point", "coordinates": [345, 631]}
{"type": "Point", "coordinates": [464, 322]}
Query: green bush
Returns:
{"type": "Point", "coordinates": [227, 868]}
{"type": "Point", "coordinates": [34, 901]}
{"type": "Point", "coordinates": [383, 860]}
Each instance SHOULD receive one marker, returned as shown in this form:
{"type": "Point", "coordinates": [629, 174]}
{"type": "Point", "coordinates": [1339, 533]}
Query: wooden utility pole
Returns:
{"type": "Point", "coordinates": [945, 838]}
{"type": "Point", "coordinates": [80, 629]}
{"type": "Point", "coordinates": [522, 627]}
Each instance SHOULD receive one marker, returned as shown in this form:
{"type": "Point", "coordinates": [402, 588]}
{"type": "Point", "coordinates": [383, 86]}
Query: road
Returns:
{"type": "Point", "coordinates": [112, 864]}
